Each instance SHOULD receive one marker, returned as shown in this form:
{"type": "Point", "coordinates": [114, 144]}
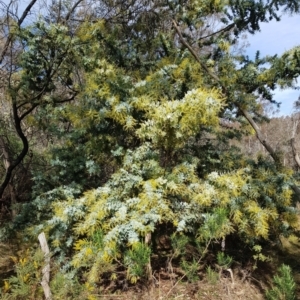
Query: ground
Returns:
{"type": "Point", "coordinates": [223, 289]}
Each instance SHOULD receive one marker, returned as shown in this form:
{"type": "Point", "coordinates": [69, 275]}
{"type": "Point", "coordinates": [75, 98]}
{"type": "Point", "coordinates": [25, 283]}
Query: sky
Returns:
{"type": "Point", "coordinates": [276, 38]}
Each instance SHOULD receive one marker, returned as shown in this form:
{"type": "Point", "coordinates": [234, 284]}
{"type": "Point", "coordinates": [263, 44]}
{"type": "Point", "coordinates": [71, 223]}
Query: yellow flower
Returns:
{"type": "Point", "coordinates": [6, 287]}
{"type": "Point", "coordinates": [23, 261]}
{"type": "Point", "coordinates": [36, 265]}
{"type": "Point", "coordinates": [134, 279]}
{"type": "Point", "coordinates": [88, 251]}
{"type": "Point", "coordinates": [26, 277]}
{"type": "Point", "coordinates": [89, 287]}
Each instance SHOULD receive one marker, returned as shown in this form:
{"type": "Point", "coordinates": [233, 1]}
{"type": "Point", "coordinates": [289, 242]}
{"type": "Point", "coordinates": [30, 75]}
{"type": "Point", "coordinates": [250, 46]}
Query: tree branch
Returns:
{"type": "Point", "coordinates": [55, 102]}
{"type": "Point", "coordinates": [227, 28]}
{"type": "Point", "coordinates": [185, 43]}
{"type": "Point", "coordinates": [35, 101]}
{"type": "Point", "coordinates": [9, 38]}
{"type": "Point", "coordinates": [259, 135]}
{"type": "Point", "coordinates": [72, 10]}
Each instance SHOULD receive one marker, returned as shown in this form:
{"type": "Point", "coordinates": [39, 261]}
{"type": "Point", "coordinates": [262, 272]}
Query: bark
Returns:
{"type": "Point", "coordinates": [21, 155]}
{"type": "Point", "coordinates": [7, 163]}
{"type": "Point", "coordinates": [5, 153]}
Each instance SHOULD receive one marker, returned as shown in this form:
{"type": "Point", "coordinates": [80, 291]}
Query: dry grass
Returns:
{"type": "Point", "coordinates": [6, 252]}
{"type": "Point", "coordinates": [223, 289]}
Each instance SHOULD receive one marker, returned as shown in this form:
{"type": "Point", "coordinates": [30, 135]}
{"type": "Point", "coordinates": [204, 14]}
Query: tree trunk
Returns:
{"type": "Point", "coordinates": [13, 164]}
{"type": "Point", "coordinates": [295, 153]}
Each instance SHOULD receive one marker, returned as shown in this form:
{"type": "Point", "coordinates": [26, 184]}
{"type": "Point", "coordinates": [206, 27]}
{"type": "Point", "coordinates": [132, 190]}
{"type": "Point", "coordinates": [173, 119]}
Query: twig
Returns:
{"type": "Point", "coordinates": [227, 28]}
{"type": "Point", "coordinates": [231, 275]}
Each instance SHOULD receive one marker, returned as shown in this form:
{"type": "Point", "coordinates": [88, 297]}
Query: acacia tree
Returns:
{"type": "Point", "coordinates": [158, 123]}
{"type": "Point", "coordinates": [144, 148]}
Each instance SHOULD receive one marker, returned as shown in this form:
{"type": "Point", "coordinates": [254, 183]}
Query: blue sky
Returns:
{"type": "Point", "coordinates": [275, 38]}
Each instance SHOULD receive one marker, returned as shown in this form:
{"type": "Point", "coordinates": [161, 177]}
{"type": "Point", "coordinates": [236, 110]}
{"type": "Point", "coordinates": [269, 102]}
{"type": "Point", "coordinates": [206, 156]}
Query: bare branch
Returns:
{"type": "Point", "coordinates": [260, 136]}
{"type": "Point", "coordinates": [227, 28]}
{"type": "Point", "coordinates": [72, 9]}
{"type": "Point", "coordinates": [9, 38]}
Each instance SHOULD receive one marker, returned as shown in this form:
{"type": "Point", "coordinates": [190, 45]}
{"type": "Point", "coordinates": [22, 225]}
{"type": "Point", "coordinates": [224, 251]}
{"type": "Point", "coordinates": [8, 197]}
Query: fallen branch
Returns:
{"type": "Point", "coordinates": [46, 269]}
{"type": "Point", "coordinates": [231, 275]}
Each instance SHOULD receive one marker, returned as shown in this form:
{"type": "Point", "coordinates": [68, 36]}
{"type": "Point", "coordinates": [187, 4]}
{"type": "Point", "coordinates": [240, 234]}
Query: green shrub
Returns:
{"type": "Point", "coordinates": [283, 285]}
{"type": "Point", "coordinates": [212, 276]}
